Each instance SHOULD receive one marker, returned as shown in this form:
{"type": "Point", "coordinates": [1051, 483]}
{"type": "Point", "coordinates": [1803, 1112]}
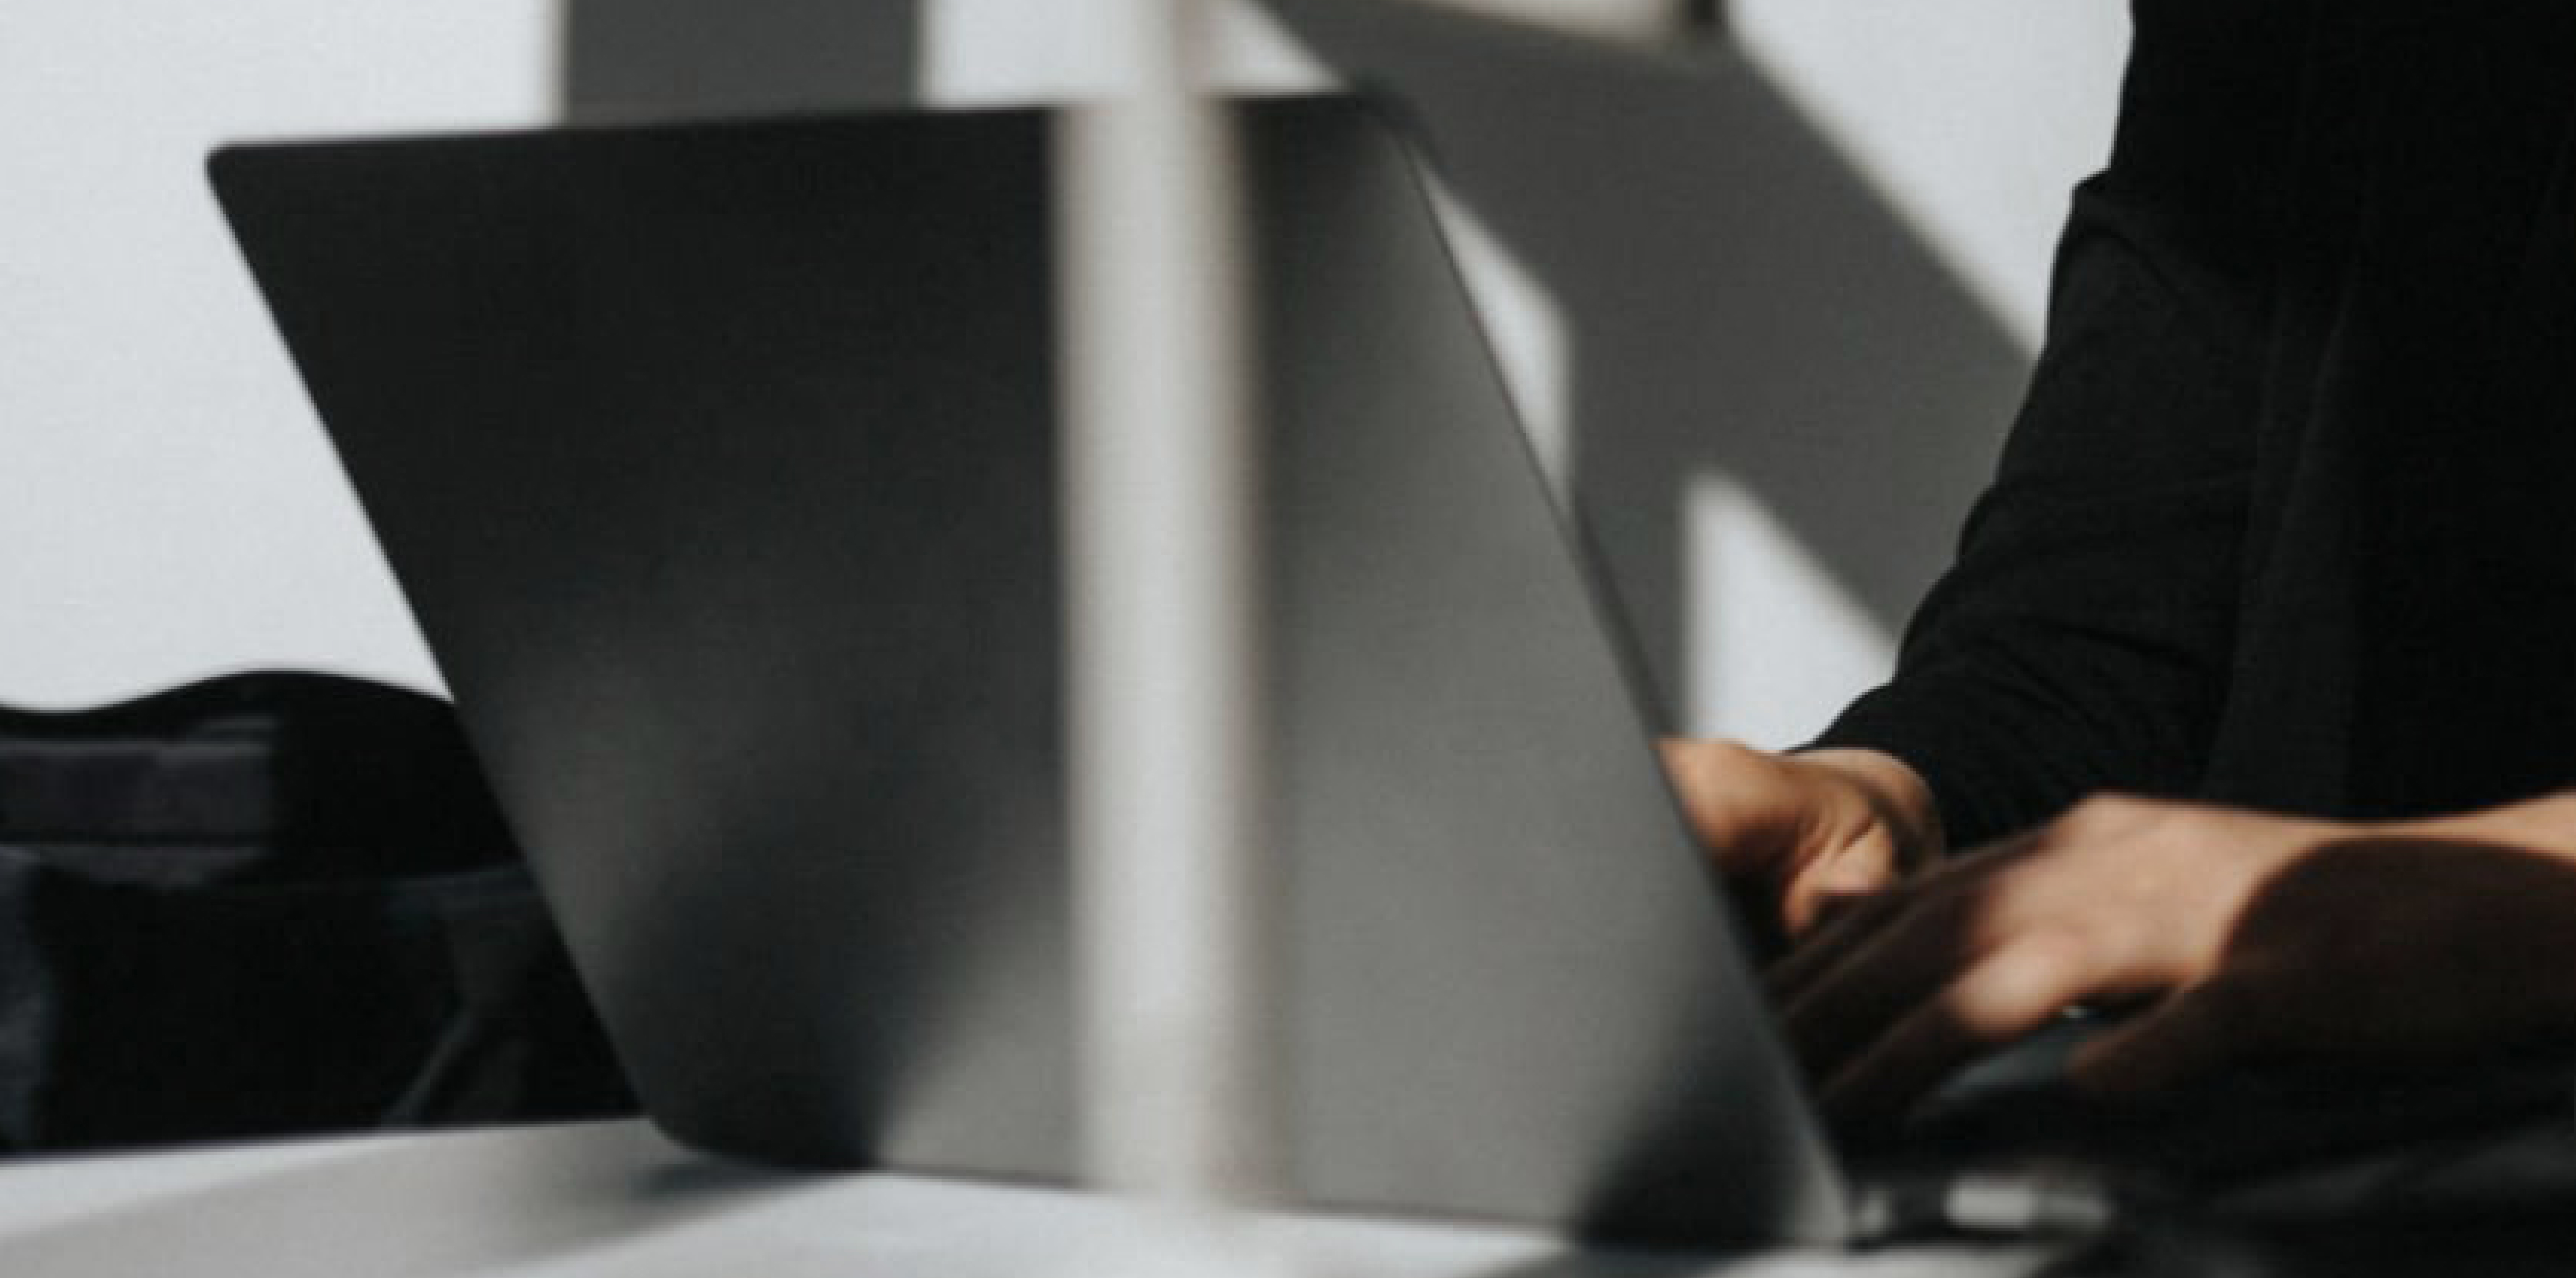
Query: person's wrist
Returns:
{"type": "Point", "coordinates": [1897, 793]}
{"type": "Point", "coordinates": [2545, 824]}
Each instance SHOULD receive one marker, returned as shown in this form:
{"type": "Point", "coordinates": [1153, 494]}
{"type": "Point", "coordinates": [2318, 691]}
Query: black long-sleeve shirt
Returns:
{"type": "Point", "coordinates": [2288, 517]}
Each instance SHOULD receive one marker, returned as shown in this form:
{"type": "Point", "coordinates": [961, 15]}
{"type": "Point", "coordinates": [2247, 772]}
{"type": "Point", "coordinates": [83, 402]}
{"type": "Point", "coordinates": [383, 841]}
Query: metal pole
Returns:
{"type": "Point", "coordinates": [1161, 461]}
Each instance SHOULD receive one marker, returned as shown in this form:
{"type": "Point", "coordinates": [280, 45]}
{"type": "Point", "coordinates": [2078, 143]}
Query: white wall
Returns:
{"type": "Point", "coordinates": [168, 507]}
{"type": "Point", "coordinates": [1973, 118]}
{"type": "Point", "coordinates": [167, 504]}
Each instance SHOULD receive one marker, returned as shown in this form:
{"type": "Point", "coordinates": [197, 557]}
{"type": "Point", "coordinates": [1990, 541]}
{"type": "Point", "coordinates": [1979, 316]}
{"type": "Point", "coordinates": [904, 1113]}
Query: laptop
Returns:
{"type": "Point", "coordinates": [718, 464]}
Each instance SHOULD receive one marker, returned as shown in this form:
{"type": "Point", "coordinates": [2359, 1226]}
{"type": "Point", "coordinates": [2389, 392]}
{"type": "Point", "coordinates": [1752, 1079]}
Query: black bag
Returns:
{"type": "Point", "coordinates": [269, 904]}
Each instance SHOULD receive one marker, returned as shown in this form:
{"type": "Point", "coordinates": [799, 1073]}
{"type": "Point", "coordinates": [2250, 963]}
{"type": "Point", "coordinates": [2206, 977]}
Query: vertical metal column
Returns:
{"type": "Point", "coordinates": [1161, 458]}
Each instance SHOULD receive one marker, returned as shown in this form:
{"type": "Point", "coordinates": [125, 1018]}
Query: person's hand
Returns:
{"type": "Point", "coordinates": [2243, 935]}
{"type": "Point", "coordinates": [1810, 832]}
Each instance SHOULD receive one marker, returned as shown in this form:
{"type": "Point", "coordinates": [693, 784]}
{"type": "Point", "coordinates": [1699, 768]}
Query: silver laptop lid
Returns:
{"type": "Point", "coordinates": [718, 465]}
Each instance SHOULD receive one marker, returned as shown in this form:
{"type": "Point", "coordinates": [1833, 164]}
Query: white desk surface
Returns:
{"type": "Point", "coordinates": [619, 1198]}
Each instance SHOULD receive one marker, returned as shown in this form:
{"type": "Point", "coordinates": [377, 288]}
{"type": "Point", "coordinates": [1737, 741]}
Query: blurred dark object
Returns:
{"type": "Point", "coordinates": [272, 904]}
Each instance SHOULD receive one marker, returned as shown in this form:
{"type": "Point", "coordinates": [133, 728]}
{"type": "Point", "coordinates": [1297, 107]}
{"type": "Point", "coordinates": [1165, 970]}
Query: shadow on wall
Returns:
{"type": "Point", "coordinates": [1736, 299]}
{"type": "Point", "coordinates": [690, 58]}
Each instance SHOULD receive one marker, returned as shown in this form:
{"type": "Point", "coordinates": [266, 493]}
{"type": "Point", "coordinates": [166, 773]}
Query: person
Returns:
{"type": "Point", "coordinates": [2249, 703]}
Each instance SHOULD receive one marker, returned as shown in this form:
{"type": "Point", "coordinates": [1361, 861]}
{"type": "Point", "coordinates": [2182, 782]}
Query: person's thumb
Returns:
{"type": "Point", "coordinates": [1837, 884]}
{"type": "Point", "coordinates": [2187, 1034]}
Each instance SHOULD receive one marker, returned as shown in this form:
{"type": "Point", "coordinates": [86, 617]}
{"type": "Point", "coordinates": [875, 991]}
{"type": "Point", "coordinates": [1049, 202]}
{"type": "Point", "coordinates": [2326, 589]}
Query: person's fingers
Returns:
{"type": "Point", "coordinates": [1879, 979]}
{"type": "Point", "coordinates": [2190, 1032]}
{"type": "Point", "coordinates": [1849, 926]}
{"type": "Point", "coordinates": [1828, 907]}
{"type": "Point", "coordinates": [2008, 993]}
{"type": "Point", "coordinates": [1852, 924]}
{"type": "Point", "coordinates": [1836, 882]}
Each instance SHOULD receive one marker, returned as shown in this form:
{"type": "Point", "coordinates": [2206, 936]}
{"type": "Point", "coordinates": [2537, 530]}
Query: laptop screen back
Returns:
{"type": "Point", "coordinates": [718, 463]}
